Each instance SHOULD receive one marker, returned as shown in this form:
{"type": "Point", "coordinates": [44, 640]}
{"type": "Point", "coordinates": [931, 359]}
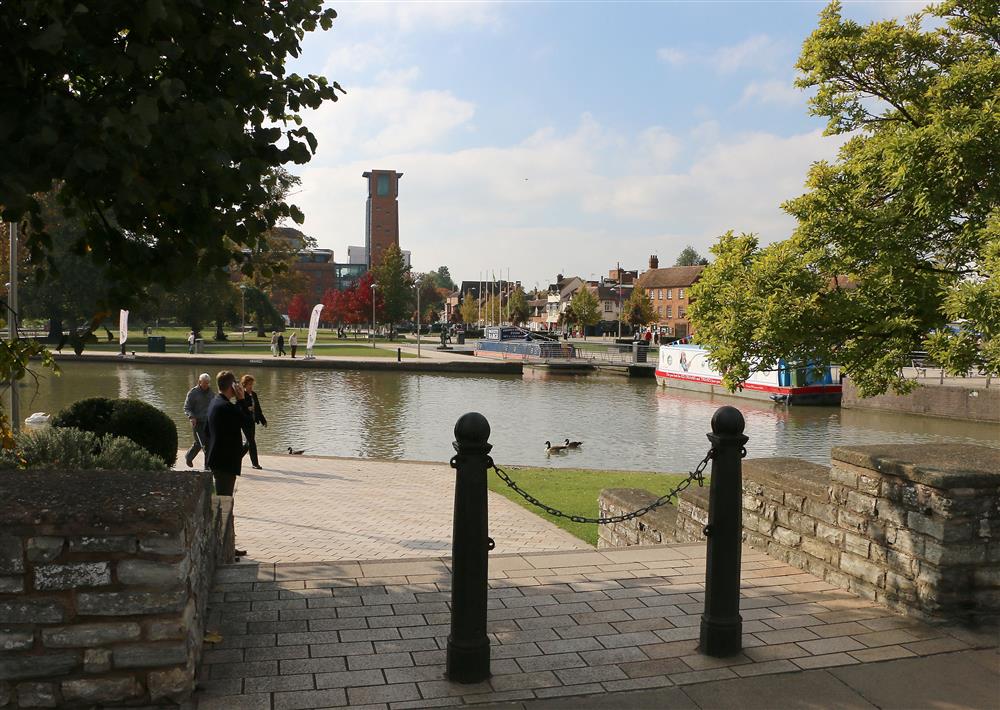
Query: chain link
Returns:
{"type": "Point", "coordinates": [698, 474]}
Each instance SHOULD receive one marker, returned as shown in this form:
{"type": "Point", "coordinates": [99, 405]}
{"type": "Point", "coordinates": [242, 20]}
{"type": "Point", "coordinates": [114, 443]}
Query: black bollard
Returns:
{"type": "Point", "coordinates": [721, 624]}
{"type": "Point", "coordinates": [468, 659]}
{"type": "Point", "coordinates": [399, 354]}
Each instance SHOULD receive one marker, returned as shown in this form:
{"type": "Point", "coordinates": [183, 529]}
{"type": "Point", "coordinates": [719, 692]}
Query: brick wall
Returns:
{"type": "Point", "coordinates": [654, 528]}
{"type": "Point", "coordinates": [914, 527]}
{"type": "Point", "coordinates": [104, 580]}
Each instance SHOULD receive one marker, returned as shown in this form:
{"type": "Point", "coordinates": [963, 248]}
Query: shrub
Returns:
{"type": "Point", "coordinates": [74, 449]}
{"type": "Point", "coordinates": [142, 423]}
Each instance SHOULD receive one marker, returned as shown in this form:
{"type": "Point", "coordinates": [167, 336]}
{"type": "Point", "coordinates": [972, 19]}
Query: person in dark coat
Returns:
{"type": "Point", "coordinates": [257, 415]}
{"type": "Point", "coordinates": [281, 344]}
{"type": "Point", "coordinates": [227, 423]}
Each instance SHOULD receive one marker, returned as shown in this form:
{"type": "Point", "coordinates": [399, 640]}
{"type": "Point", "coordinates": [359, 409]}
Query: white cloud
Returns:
{"type": "Point", "coordinates": [420, 16]}
{"type": "Point", "coordinates": [671, 55]}
{"type": "Point", "coordinates": [572, 201]}
{"type": "Point", "coordinates": [355, 57]}
{"type": "Point", "coordinates": [772, 91]}
{"type": "Point", "coordinates": [759, 50]}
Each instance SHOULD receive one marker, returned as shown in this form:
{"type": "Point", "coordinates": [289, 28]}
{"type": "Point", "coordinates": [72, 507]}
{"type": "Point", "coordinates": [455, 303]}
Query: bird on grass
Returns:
{"type": "Point", "coordinates": [554, 448]}
{"type": "Point", "coordinates": [573, 444]}
{"type": "Point", "coordinates": [296, 453]}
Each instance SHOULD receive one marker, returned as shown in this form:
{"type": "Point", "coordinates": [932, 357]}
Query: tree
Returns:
{"type": "Point", "coordinates": [469, 310]}
{"type": "Point", "coordinates": [637, 310]}
{"type": "Point", "coordinates": [690, 257]}
{"type": "Point", "coordinates": [299, 309]}
{"type": "Point", "coordinates": [201, 300]}
{"type": "Point", "coordinates": [392, 280]}
{"type": "Point", "coordinates": [442, 277]}
{"type": "Point", "coordinates": [586, 309]}
{"type": "Point", "coordinates": [517, 307]}
{"type": "Point", "coordinates": [159, 122]}
{"type": "Point", "coordinates": [895, 238]}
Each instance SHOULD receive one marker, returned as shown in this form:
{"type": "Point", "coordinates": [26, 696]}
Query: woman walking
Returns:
{"type": "Point", "coordinates": [293, 342]}
{"type": "Point", "coordinates": [274, 343]}
{"type": "Point", "coordinates": [257, 417]}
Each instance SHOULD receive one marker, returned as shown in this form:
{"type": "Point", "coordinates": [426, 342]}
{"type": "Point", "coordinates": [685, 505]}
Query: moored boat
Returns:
{"type": "Point", "coordinates": [512, 343]}
{"type": "Point", "coordinates": [686, 366]}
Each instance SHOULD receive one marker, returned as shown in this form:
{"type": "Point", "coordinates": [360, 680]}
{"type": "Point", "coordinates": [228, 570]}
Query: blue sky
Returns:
{"type": "Point", "coordinates": [562, 137]}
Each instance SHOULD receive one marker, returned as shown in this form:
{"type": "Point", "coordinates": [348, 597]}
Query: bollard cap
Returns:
{"type": "Point", "coordinates": [472, 429]}
{"type": "Point", "coordinates": [728, 421]}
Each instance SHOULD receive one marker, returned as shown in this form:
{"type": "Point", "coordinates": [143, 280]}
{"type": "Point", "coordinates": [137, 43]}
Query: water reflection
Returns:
{"type": "Point", "coordinates": [624, 424]}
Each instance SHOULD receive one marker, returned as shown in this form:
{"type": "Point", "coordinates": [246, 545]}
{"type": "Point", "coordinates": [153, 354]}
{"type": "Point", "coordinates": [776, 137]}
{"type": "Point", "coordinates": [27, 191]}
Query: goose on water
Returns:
{"type": "Point", "coordinates": [296, 453]}
{"type": "Point", "coordinates": [554, 449]}
{"type": "Point", "coordinates": [573, 444]}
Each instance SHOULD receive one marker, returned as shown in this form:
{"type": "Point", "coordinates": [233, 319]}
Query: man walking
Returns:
{"type": "Point", "coordinates": [281, 345]}
{"type": "Point", "coordinates": [196, 410]}
{"type": "Point", "coordinates": [227, 422]}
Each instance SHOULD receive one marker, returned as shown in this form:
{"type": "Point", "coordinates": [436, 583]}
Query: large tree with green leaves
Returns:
{"type": "Point", "coordinates": [690, 257]}
{"type": "Point", "coordinates": [517, 307]}
{"type": "Point", "coordinates": [586, 308]}
{"type": "Point", "coordinates": [637, 310]}
{"type": "Point", "coordinates": [895, 238]}
{"type": "Point", "coordinates": [158, 120]}
{"type": "Point", "coordinates": [469, 310]}
{"type": "Point", "coordinates": [392, 280]}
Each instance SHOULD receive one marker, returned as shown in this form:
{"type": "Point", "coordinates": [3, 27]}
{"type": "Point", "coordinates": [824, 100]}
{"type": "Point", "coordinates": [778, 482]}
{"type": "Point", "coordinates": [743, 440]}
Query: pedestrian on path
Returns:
{"type": "Point", "coordinates": [227, 423]}
{"type": "Point", "coordinates": [274, 343]}
{"type": "Point", "coordinates": [257, 416]}
{"type": "Point", "coordinates": [281, 344]}
{"type": "Point", "coordinates": [196, 410]}
{"type": "Point", "coordinates": [293, 342]}
{"type": "Point", "coordinates": [190, 342]}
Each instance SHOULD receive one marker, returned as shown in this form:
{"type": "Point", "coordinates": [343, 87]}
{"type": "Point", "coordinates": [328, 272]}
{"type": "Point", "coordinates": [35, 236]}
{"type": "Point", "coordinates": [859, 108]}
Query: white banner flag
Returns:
{"type": "Point", "coordinates": [314, 325]}
{"type": "Point", "coordinates": [122, 327]}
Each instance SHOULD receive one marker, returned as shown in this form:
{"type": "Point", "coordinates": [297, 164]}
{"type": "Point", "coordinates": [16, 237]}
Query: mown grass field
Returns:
{"type": "Point", "coordinates": [575, 491]}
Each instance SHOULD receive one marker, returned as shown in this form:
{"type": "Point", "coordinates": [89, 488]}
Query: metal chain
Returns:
{"type": "Point", "coordinates": [696, 475]}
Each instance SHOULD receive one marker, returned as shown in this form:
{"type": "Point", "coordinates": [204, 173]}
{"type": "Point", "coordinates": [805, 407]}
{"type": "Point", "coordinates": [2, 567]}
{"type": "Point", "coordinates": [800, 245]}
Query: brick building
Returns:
{"type": "Point", "coordinates": [381, 213]}
{"type": "Point", "coordinates": [669, 292]}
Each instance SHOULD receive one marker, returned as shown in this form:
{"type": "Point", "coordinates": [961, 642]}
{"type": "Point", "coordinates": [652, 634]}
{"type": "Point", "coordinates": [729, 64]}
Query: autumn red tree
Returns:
{"type": "Point", "coordinates": [299, 309]}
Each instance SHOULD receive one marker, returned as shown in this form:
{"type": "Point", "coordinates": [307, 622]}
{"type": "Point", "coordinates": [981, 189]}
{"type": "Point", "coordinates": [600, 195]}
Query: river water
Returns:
{"type": "Point", "coordinates": [624, 424]}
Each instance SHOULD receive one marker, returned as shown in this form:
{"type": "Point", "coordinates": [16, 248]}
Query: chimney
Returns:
{"type": "Point", "coordinates": [559, 277]}
{"type": "Point", "coordinates": [654, 262]}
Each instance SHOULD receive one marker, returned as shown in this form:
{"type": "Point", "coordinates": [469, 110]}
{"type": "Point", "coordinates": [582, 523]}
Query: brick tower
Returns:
{"type": "Point", "coordinates": [381, 213]}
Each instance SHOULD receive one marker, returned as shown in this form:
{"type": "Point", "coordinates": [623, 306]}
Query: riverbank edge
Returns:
{"type": "Point", "coordinates": [957, 402]}
{"type": "Point", "coordinates": [221, 360]}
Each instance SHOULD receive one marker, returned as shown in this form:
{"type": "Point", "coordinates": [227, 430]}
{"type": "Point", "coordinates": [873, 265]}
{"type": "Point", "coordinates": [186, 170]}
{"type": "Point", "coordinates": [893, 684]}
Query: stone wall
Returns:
{"type": "Point", "coordinates": [980, 404]}
{"type": "Point", "coordinates": [654, 528]}
{"type": "Point", "coordinates": [915, 527]}
{"type": "Point", "coordinates": [104, 580]}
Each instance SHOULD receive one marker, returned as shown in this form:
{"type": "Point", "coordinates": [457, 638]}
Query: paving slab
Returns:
{"type": "Point", "coordinates": [562, 640]}
{"type": "Point", "coordinates": [309, 509]}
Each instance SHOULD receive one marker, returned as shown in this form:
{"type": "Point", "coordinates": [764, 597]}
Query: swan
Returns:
{"type": "Point", "coordinates": [38, 418]}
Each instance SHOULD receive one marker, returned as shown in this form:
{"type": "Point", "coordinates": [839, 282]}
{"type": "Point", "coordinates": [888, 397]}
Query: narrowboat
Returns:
{"type": "Point", "coordinates": [512, 343]}
{"type": "Point", "coordinates": [686, 366]}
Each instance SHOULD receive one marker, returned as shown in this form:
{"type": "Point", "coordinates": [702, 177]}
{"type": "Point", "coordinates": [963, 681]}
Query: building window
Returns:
{"type": "Point", "coordinates": [680, 293]}
{"type": "Point", "coordinates": [670, 311]}
{"type": "Point", "coordinates": [669, 293]}
{"type": "Point", "coordinates": [681, 312]}
{"type": "Point", "coordinates": [659, 294]}
{"type": "Point", "coordinates": [659, 310]}
{"type": "Point", "coordinates": [607, 306]}
{"type": "Point", "coordinates": [382, 188]}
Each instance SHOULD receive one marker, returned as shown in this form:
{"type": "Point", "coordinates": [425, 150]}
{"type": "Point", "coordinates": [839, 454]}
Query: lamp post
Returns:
{"type": "Point", "coordinates": [15, 414]}
{"type": "Point", "coordinates": [419, 319]}
{"type": "Point", "coordinates": [243, 315]}
{"type": "Point", "coordinates": [373, 316]}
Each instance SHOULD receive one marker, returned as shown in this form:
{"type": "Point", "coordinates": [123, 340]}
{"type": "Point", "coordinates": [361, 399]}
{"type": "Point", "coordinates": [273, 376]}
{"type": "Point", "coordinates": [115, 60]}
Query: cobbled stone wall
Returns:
{"type": "Point", "coordinates": [914, 527]}
{"type": "Point", "coordinates": [654, 528]}
{"type": "Point", "coordinates": [104, 580]}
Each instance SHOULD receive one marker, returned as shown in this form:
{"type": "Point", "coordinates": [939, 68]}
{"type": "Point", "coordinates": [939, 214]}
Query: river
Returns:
{"type": "Point", "coordinates": [624, 424]}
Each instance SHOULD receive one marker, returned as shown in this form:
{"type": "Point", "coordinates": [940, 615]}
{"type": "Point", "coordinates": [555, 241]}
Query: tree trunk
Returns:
{"type": "Point", "coordinates": [220, 334]}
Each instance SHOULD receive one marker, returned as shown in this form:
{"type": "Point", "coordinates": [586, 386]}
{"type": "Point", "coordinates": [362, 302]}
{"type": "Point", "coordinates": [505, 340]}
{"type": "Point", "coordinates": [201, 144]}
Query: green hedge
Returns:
{"type": "Point", "coordinates": [72, 449]}
{"type": "Point", "coordinates": [131, 418]}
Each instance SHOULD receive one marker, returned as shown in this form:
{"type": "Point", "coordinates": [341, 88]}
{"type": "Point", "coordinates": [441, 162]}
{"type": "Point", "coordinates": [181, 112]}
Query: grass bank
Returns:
{"type": "Point", "coordinates": [575, 491]}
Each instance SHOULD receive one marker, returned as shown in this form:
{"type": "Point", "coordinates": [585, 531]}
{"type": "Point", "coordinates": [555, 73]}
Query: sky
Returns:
{"type": "Point", "coordinates": [563, 137]}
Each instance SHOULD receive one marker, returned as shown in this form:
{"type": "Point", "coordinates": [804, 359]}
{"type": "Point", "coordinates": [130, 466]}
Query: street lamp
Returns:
{"type": "Point", "coordinates": [419, 319]}
{"type": "Point", "coordinates": [373, 316]}
{"type": "Point", "coordinates": [243, 315]}
{"type": "Point", "coordinates": [15, 412]}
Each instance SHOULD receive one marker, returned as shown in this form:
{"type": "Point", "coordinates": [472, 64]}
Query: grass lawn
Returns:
{"type": "Point", "coordinates": [575, 492]}
{"type": "Point", "coordinates": [259, 347]}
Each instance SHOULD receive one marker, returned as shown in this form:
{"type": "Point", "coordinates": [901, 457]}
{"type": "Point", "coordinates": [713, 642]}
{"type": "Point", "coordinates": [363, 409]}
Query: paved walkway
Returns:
{"type": "Point", "coordinates": [618, 627]}
{"type": "Point", "coordinates": [308, 509]}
